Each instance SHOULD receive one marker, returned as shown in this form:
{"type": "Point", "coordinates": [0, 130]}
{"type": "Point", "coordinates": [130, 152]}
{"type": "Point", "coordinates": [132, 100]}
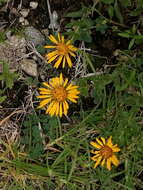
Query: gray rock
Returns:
{"type": "Point", "coordinates": [33, 4]}
{"type": "Point", "coordinates": [29, 66]}
{"type": "Point", "coordinates": [12, 50]}
{"type": "Point", "coordinates": [33, 35]}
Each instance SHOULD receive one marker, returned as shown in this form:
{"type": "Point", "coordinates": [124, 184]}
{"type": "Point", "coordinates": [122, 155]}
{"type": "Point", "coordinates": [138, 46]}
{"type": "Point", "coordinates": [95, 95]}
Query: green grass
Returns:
{"type": "Point", "coordinates": [54, 154]}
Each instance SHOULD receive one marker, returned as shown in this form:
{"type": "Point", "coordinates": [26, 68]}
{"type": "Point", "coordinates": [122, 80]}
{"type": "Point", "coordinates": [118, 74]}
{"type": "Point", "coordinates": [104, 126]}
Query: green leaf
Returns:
{"type": "Point", "coordinates": [111, 11]}
{"type": "Point", "coordinates": [125, 3]}
{"type": "Point", "coordinates": [131, 43]}
{"type": "Point", "coordinates": [85, 36]}
{"type": "Point", "coordinates": [118, 12]}
{"type": "Point", "coordinates": [124, 34]}
{"type": "Point", "coordinates": [2, 98]}
{"type": "Point", "coordinates": [107, 1]}
{"type": "Point", "coordinates": [75, 14]}
{"type": "Point", "coordinates": [8, 76]}
{"type": "Point", "coordinates": [83, 86]}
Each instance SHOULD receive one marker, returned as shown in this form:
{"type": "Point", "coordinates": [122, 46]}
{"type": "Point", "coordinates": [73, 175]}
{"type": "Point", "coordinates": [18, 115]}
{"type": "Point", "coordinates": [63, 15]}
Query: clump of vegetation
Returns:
{"type": "Point", "coordinates": [98, 67]}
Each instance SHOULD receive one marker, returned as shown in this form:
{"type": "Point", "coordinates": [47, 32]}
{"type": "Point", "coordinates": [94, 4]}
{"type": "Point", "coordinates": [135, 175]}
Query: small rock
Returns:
{"type": "Point", "coordinates": [45, 32]}
{"type": "Point", "coordinates": [12, 50]}
{"type": "Point", "coordinates": [21, 19]}
{"type": "Point", "coordinates": [33, 35]}
{"type": "Point", "coordinates": [33, 4]}
{"type": "Point", "coordinates": [54, 21]}
{"type": "Point", "coordinates": [25, 23]}
{"type": "Point", "coordinates": [24, 12]}
{"type": "Point", "coordinates": [29, 66]}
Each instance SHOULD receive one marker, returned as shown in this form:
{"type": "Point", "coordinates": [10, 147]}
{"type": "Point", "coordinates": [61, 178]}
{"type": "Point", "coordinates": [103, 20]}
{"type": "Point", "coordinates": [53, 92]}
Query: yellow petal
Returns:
{"type": "Point", "coordinates": [103, 140]}
{"type": "Point", "coordinates": [109, 163]}
{"type": "Point", "coordinates": [66, 105]}
{"type": "Point", "coordinates": [65, 83]}
{"type": "Point", "coordinates": [72, 96]}
{"type": "Point", "coordinates": [116, 149]}
{"type": "Point", "coordinates": [95, 158]}
{"type": "Point", "coordinates": [114, 160]}
{"type": "Point", "coordinates": [65, 108]}
{"type": "Point", "coordinates": [61, 79]}
{"type": "Point", "coordinates": [51, 54]}
{"type": "Point", "coordinates": [52, 58]}
{"type": "Point", "coordinates": [44, 96]}
{"type": "Point", "coordinates": [57, 108]}
{"type": "Point", "coordinates": [72, 48]}
{"type": "Point", "coordinates": [62, 39]}
{"type": "Point", "coordinates": [49, 46]}
{"type": "Point", "coordinates": [68, 42]}
{"type": "Point", "coordinates": [58, 61]}
{"type": "Point", "coordinates": [98, 161]}
{"type": "Point", "coordinates": [95, 145]}
{"type": "Point", "coordinates": [59, 37]}
{"type": "Point", "coordinates": [64, 61]}
{"type": "Point", "coordinates": [50, 106]}
{"type": "Point", "coordinates": [71, 86]}
{"type": "Point", "coordinates": [72, 100]}
{"type": "Point", "coordinates": [69, 60]}
{"type": "Point", "coordinates": [53, 109]}
{"type": "Point", "coordinates": [95, 151]}
{"type": "Point", "coordinates": [109, 141]}
{"type": "Point", "coordinates": [72, 54]}
{"type": "Point", "coordinates": [103, 162]}
{"type": "Point", "coordinates": [46, 84]}
{"type": "Point", "coordinates": [44, 102]}
{"type": "Point", "coordinates": [53, 39]}
{"type": "Point", "coordinates": [44, 91]}
{"type": "Point", "coordinates": [99, 142]}
{"type": "Point", "coordinates": [61, 111]}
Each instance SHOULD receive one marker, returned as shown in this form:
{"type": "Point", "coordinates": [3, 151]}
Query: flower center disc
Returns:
{"type": "Point", "coordinates": [59, 94]}
{"type": "Point", "coordinates": [62, 48]}
{"type": "Point", "coordinates": [106, 152]}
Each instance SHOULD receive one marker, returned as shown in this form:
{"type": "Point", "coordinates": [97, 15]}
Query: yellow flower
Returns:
{"type": "Point", "coordinates": [56, 95]}
{"type": "Point", "coordinates": [105, 152]}
{"type": "Point", "coordinates": [63, 51]}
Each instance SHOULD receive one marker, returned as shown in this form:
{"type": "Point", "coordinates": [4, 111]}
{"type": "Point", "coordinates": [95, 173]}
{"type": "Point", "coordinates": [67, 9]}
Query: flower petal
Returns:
{"type": "Point", "coordinates": [95, 158]}
{"type": "Point", "coordinates": [114, 160]}
{"type": "Point", "coordinates": [98, 161]}
{"type": "Point", "coordinates": [72, 54]}
{"type": "Point", "coordinates": [52, 58]}
{"type": "Point", "coordinates": [51, 54]}
{"type": "Point", "coordinates": [95, 145]}
{"type": "Point", "coordinates": [59, 37]}
{"type": "Point", "coordinates": [49, 46]}
{"type": "Point", "coordinates": [44, 102]}
{"type": "Point", "coordinates": [116, 149]}
{"type": "Point", "coordinates": [46, 84]}
{"type": "Point", "coordinates": [103, 140]}
{"type": "Point", "coordinates": [53, 39]}
{"type": "Point", "coordinates": [68, 60]}
{"type": "Point", "coordinates": [109, 142]}
{"type": "Point", "coordinates": [109, 163]}
{"type": "Point", "coordinates": [64, 61]}
{"type": "Point", "coordinates": [58, 61]}
{"type": "Point", "coordinates": [103, 162]}
{"type": "Point", "coordinates": [44, 96]}
{"type": "Point", "coordinates": [99, 142]}
{"type": "Point", "coordinates": [61, 111]}
{"type": "Point", "coordinates": [65, 108]}
{"type": "Point", "coordinates": [61, 79]}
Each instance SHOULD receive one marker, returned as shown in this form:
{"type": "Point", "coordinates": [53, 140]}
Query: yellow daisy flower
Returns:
{"type": "Point", "coordinates": [105, 152]}
{"type": "Point", "coordinates": [56, 95]}
{"type": "Point", "coordinates": [63, 51]}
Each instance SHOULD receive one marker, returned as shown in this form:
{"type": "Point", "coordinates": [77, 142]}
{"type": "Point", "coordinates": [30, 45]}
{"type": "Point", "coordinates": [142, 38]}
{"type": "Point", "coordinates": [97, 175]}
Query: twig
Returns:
{"type": "Point", "coordinates": [50, 14]}
{"type": "Point", "coordinates": [6, 118]}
